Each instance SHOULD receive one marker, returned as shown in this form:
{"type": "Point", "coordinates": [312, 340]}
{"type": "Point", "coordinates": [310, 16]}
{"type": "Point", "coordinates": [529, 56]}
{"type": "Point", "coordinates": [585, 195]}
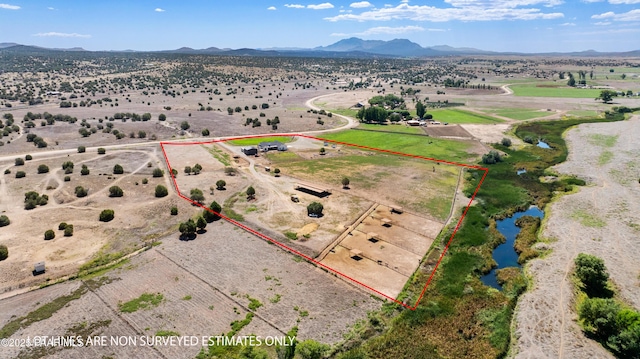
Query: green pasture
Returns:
{"type": "Point", "coordinates": [391, 128]}
{"type": "Point", "coordinates": [559, 90]}
{"type": "Point", "coordinates": [256, 140]}
{"type": "Point", "coordinates": [461, 116]}
{"type": "Point", "coordinates": [520, 114]}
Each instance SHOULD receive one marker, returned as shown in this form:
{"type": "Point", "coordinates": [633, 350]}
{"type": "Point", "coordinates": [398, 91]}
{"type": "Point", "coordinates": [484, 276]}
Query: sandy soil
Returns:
{"type": "Point", "coordinates": [546, 319]}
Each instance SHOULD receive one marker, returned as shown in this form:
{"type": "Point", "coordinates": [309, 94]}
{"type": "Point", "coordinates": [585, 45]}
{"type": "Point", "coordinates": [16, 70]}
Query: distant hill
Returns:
{"type": "Point", "coordinates": [346, 48]}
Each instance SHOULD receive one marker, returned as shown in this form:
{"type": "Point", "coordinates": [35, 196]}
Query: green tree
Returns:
{"type": "Point", "coordinates": [345, 182]}
{"type": "Point", "coordinates": [315, 209]}
{"type": "Point", "coordinates": [62, 226]}
{"type": "Point", "coordinates": [196, 195]}
{"type": "Point", "coordinates": [49, 234]}
{"type": "Point", "coordinates": [101, 151]}
{"type": "Point", "coordinates": [201, 223]}
{"type": "Point", "coordinates": [161, 191]}
{"type": "Point", "coordinates": [4, 252]}
{"type": "Point", "coordinates": [80, 192]}
{"type": "Point", "coordinates": [277, 172]}
{"type": "Point", "coordinates": [607, 96]}
{"type": "Point", "coordinates": [506, 142]}
{"type": "Point", "coordinates": [20, 174]}
{"type": "Point", "coordinates": [322, 151]}
{"type": "Point", "coordinates": [187, 228]}
{"type": "Point", "coordinates": [19, 162]}
{"type": "Point", "coordinates": [209, 216]}
{"type": "Point", "coordinates": [43, 169]}
{"type": "Point", "coordinates": [158, 172]}
{"type": "Point", "coordinates": [592, 273]}
{"type": "Point", "coordinates": [162, 117]}
{"type": "Point", "coordinates": [420, 109]}
{"type": "Point", "coordinates": [184, 125]}
{"type": "Point", "coordinates": [196, 169]}
{"type": "Point", "coordinates": [146, 117]}
{"type": "Point", "coordinates": [187, 170]}
{"type": "Point", "coordinates": [118, 170]}
{"type": "Point", "coordinates": [68, 231]}
{"type": "Point", "coordinates": [311, 349]}
{"type": "Point", "coordinates": [107, 215]}
{"type": "Point", "coordinates": [4, 221]}
{"type": "Point", "coordinates": [599, 316]}
{"type": "Point", "coordinates": [205, 132]}
{"type": "Point", "coordinates": [82, 149]}
{"type": "Point", "coordinates": [220, 184]}
{"type": "Point", "coordinates": [251, 192]}
{"type": "Point", "coordinates": [491, 157]}
{"type": "Point", "coordinates": [84, 171]}
{"type": "Point", "coordinates": [28, 158]}
{"type": "Point", "coordinates": [115, 191]}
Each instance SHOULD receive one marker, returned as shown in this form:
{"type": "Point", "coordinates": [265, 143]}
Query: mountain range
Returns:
{"type": "Point", "coordinates": [347, 48]}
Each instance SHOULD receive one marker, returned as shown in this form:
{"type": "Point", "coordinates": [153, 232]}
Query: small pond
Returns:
{"type": "Point", "coordinates": [543, 144]}
{"type": "Point", "coordinates": [519, 172]}
{"type": "Point", "coordinates": [505, 255]}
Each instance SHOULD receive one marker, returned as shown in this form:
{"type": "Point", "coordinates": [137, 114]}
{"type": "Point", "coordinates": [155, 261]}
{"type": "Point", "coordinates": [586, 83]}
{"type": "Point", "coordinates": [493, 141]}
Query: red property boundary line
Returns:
{"type": "Point", "coordinates": [291, 250]}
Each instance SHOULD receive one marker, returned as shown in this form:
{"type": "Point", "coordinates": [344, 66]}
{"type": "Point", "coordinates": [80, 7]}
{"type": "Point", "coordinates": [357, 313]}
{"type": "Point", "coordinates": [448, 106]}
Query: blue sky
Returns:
{"type": "Point", "coordinates": [499, 25]}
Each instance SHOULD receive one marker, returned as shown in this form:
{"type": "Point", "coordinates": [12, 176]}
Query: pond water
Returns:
{"type": "Point", "coordinates": [543, 144]}
{"type": "Point", "coordinates": [519, 172]}
{"type": "Point", "coordinates": [505, 255]}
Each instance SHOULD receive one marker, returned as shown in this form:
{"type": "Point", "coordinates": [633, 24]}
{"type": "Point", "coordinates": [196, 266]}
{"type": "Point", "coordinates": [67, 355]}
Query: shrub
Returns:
{"type": "Point", "coordinates": [205, 132]}
{"type": "Point", "coordinates": [101, 151]}
{"type": "Point", "coordinates": [220, 185]}
{"type": "Point", "coordinates": [85, 170]}
{"type": "Point", "coordinates": [107, 215]}
{"type": "Point", "coordinates": [174, 211]}
{"type": "Point", "coordinates": [115, 191]}
{"type": "Point", "coordinates": [43, 169]}
{"type": "Point", "coordinates": [251, 192]}
{"type": "Point", "coordinates": [68, 231]}
{"type": "Point", "coordinates": [20, 174]}
{"type": "Point", "coordinates": [506, 142]}
{"type": "Point", "coordinates": [28, 157]}
{"type": "Point", "coordinates": [67, 178]}
{"type": "Point", "coordinates": [161, 191]}
{"type": "Point", "coordinates": [528, 139]}
{"type": "Point", "coordinates": [162, 117]}
{"type": "Point", "coordinates": [158, 172]}
{"type": "Point", "coordinates": [210, 217]}
{"type": "Point", "coordinates": [145, 181]}
{"type": "Point", "coordinates": [592, 273]}
{"type": "Point", "coordinates": [4, 221]}
{"type": "Point", "coordinates": [19, 162]}
{"type": "Point", "coordinates": [491, 157]}
{"type": "Point", "coordinates": [4, 252]}
{"type": "Point", "coordinates": [49, 234]}
{"type": "Point", "coordinates": [118, 170]}
{"type": "Point", "coordinates": [81, 192]}
{"type": "Point", "coordinates": [82, 149]}
{"type": "Point", "coordinates": [62, 226]}
{"type": "Point", "coordinates": [315, 209]}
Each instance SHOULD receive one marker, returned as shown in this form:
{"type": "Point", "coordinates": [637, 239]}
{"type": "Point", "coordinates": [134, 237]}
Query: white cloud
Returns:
{"type": "Point", "coordinates": [602, 23]}
{"type": "Point", "coordinates": [51, 8]}
{"type": "Point", "coordinates": [464, 10]}
{"type": "Point", "coordinates": [323, 6]}
{"type": "Point", "coordinates": [294, 6]}
{"type": "Point", "coordinates": [61, 34]}
{"type": "Point", "coordinates": [386, 30]}
{"type": "Point", "coordinates": [361, 4]}
{"type": "Point", "coordinates": [568, 24]}
{"type": "Point", "coordinates": [159, 10]}
{"type": "Point", "coordinates": [626, 2]}
{"type": "Point", "coordinates": [633, 15]}
{"type": "Point", "coordinates": [9, 7]}
{"type": "Point", "coordinates": [272, 8]}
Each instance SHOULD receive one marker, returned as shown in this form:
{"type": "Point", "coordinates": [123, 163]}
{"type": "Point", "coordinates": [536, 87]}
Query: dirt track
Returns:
{"type": "Point", "coordinates": [545, 318]}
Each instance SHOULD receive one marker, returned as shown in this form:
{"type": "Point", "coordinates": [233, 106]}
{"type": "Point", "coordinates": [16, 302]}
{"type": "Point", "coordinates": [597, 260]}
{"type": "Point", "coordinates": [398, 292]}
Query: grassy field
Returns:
{"type": "Point", "coordinates": [553, 90]}
{"type": "Point", "coordinates": [344, 111]}
{"type": "Point", "coordinates": [257, 140]}
{"type": "Point", "coordinates": [461, 116]}
{"type": "Point", "coordinates": [583, 113]}
{"type": "Point", "coordinates": [520, 114]}
{"type": "Point", "coordinates": [416, 145]}
{"type": "Point", "coordinates": [391, 128]}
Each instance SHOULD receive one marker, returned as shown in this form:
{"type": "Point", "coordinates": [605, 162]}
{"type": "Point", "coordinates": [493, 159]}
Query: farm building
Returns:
{"type": "Point", "coordinates": [311, 189]}
{"type": "Point", "coordinates": [250, 151]}
{"type": "Point", "coordinates": [38, 268]}
{"type": "Point", "coordinates": [272, 146]}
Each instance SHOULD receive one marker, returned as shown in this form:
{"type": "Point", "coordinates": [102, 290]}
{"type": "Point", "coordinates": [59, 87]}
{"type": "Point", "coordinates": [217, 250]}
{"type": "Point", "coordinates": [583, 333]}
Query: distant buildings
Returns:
{"type": "Point", "coordinates": [272, 146]}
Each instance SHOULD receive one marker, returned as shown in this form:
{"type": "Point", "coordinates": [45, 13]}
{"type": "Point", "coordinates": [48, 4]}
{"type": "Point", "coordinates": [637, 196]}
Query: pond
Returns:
{"type": "Point", "coordinates": [505, 255]}
{"type": "Point", "coordinates": [519, 172]}
{"type": "Point", "coordinates": [543, 144]}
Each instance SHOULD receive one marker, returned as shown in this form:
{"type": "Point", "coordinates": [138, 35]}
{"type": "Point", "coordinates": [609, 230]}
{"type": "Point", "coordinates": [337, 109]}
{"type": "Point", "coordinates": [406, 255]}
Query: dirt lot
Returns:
{"type": "Point", "coordinates": [139, 215]}
{"type": "Point", "coordinates": [601, 219]}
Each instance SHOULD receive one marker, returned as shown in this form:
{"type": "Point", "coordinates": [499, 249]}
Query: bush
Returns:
{"type": "Point", "coordinates": [528, 139]}
{"type": "Point", "coordinates": [101, 151]}
{"type": "Point", "coordinates": [174, 211]}
{"type": "Point", "coordinates": [210, 217]}
{"type": "Point", "coordinates": [220, 185]}
{"type": "Point", "coordinates": [19, 162]}
{"type": "Point", "coordinates": [162, 117]}
{"type": "Point", "coordinates": [4, 221]}
{"type": "Point", "coordinates": [81, 192]}
{"type": "Point", "coordinates": [251, 192]}
{"type": "Point", "coordinates": [4, 252]}
{"type": "Point", "coordinates": [67, 178]}
{"type": "Point", "coordinates": [491, 157]}
{"type": "Point", "coordinates": [311, 349]}
{"type": "Point", "coordinates": [115, 191]}
{"type": "Point", "coordinates": [592, 273]}
{"type": "Point", "coordinates": [158, 172]}
{"type": "Point", "coordinates": [28, 158]}
{"type": "Point", "coordinates": [161, 191]}
{"type": "Point", "coordinates": [20, 174]}
{"type": "Point", "coordinates": [82, 149]}
{"type": "Point", "coordinates": [62, 226]}
{"type": "Point", "coordinates": [49, 234]}
{"type": "Point", "coordinates": [107, 215]}
{"type": "Point", "coordinates": [118, 170]}
{"type": "Point", "coordinates": [68, 231]}
{"type": "Point", "coordinates": [85, 170]}
{"type": "Point", "coordinates": [145, 181]}
{"type": "Point", "coordinates": [506, 142]}
{"type": "Point", "coordinates": [43, 169]}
